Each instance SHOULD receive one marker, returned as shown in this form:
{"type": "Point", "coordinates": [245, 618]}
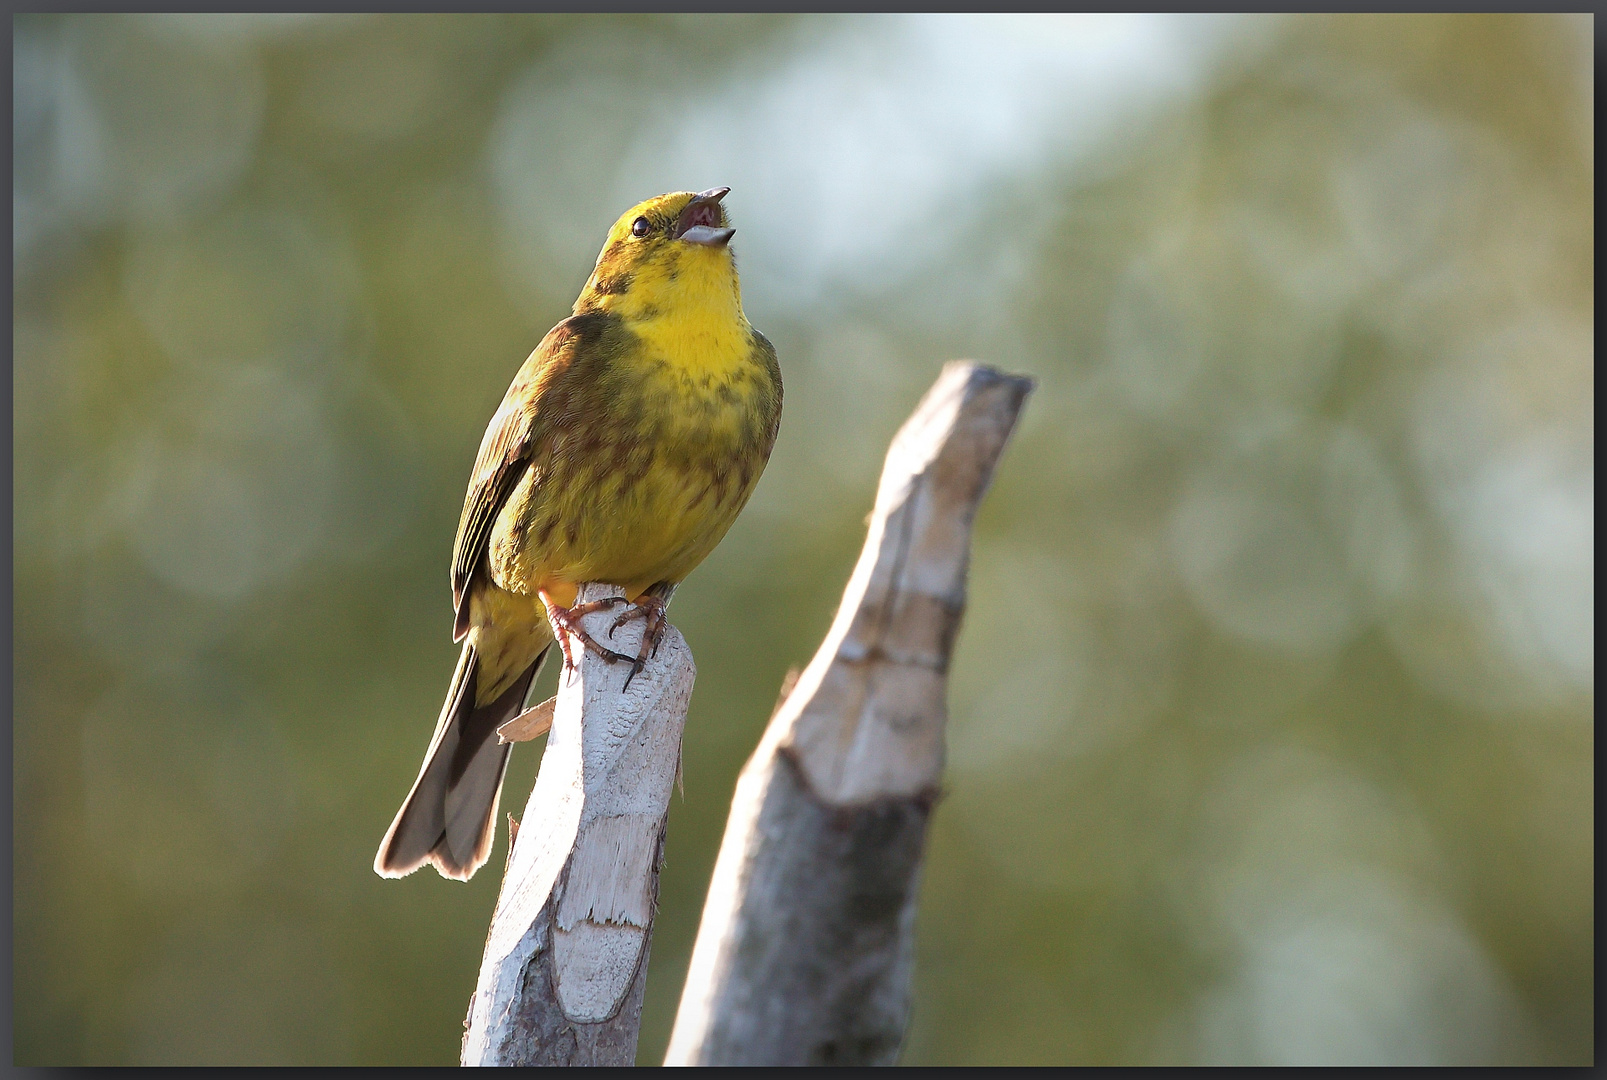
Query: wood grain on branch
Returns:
{"type": "Point", "coordinates": [565, 962]}
{"type": "Point", "coordinates": [803, 956]}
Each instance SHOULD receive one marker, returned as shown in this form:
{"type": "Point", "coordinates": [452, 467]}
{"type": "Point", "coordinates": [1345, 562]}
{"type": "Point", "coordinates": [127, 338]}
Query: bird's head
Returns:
{"type": "Point", "coordinates": [665, 254]}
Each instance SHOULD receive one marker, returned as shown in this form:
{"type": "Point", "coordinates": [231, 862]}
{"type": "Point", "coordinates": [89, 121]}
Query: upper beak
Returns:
{"type": "Point", "coordinates": [694, 225]}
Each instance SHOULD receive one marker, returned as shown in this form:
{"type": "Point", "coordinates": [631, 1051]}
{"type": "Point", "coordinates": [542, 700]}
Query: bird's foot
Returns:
{"type": "Point", "coordinates": [650, 608]}
{"type": "Point", "coordinates": [566, 621]}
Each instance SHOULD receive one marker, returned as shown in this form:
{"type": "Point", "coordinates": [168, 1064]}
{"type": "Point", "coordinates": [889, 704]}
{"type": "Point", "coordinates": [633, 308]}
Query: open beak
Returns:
{"type": "Point", "coordinates": [703, 222]}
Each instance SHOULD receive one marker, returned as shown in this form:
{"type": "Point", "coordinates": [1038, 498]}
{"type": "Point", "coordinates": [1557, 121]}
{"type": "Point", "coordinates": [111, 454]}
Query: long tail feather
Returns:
{"type": "Point", "coordinates": [449, 818]}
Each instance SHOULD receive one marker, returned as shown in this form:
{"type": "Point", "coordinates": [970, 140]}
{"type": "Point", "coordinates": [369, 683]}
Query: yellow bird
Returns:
{"type": "Point", "coordinates": [622, 452]}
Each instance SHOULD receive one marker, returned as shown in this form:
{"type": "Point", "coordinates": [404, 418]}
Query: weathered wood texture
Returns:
{"type": "Point", "coordinates": [565, 962]}
{"type": "Point", "coordinates": [805, 948]}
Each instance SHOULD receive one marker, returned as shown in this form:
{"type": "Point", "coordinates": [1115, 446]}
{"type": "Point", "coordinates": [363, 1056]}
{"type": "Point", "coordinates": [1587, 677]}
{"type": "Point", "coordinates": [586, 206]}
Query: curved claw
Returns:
{"type": "Point", "coordinates": [650, 607]}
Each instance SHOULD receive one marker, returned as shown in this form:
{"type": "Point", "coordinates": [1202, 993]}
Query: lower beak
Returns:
{"type": "Point", "coordinates": [708, 236]}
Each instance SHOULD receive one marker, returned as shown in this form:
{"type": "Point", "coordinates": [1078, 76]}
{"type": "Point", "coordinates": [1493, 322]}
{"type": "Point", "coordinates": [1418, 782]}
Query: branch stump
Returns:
{"type": "Point", "coordinates": [804, 953]}
{"type": "Point", "coordinates": [565, 963]}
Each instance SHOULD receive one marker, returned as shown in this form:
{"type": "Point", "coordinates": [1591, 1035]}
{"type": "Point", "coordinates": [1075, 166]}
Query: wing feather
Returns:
{"type": "Point", "coordinates": [510, 443]}
{"type": "Point", "coordinates": [504, 456]}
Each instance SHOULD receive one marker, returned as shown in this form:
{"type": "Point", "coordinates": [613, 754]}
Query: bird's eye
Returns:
{"type": "Point", "coordinates": [641, 227]}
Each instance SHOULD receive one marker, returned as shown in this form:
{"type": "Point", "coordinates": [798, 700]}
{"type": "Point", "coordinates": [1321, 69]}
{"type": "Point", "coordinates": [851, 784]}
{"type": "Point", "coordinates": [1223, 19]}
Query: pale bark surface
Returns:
{"type": "Point", "coordinates": [803, 956]}
{"type": "Point", "coordinates": [565, 962]}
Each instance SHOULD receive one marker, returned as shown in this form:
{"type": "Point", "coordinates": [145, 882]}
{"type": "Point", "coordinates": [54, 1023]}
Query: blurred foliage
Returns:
{"type": "Point", "coordinates": [1272, 719]}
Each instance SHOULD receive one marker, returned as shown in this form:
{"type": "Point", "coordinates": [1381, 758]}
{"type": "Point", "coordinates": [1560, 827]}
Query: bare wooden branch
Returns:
{"type": "Point", "coordinates": [804, 953]}
{"type": "Point", "coordinates": [565, 962]}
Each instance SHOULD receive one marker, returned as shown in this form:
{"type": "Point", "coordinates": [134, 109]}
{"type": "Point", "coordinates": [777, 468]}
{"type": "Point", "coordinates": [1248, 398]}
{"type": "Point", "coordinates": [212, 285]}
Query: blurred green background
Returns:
{"type": "Point", "coordinates": [1291, 763]}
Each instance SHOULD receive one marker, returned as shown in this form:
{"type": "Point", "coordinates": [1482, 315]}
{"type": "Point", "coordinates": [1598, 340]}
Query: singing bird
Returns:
{"type": "Point", "coordinates": [622, 452]}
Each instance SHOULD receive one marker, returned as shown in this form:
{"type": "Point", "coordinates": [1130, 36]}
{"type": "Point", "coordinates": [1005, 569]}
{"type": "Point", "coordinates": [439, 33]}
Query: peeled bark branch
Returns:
{"type": "Point", "coordinates": [565, 962]}
{"type": "Point", "coordinates": [804, 953]}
